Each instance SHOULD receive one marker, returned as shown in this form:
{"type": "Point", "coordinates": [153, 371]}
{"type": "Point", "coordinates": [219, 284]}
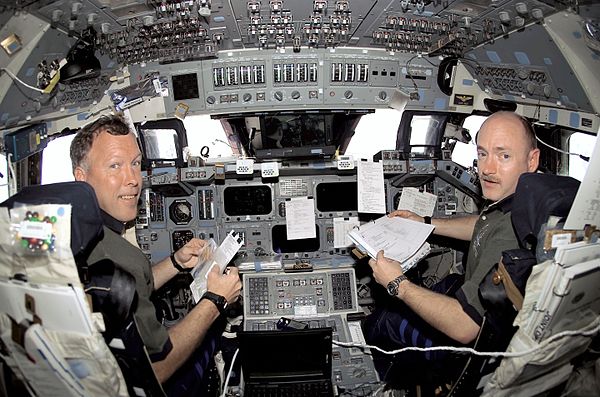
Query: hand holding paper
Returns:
{"type": "Point", "coordinates": [401, 239]}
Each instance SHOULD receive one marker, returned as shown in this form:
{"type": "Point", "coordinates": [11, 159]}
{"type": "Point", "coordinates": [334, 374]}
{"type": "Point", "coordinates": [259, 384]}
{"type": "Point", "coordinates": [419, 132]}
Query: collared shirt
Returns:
{"type": "Point", "coordinates": [493, 233]}
{"type": "Point", "coordinates": [113, 224]}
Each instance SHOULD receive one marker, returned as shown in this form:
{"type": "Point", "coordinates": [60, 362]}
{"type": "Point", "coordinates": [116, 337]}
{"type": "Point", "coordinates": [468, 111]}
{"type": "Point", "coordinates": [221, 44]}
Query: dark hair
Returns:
{"type": "Point", "coordinates": [81, 145]}
{"type": "Point", "coordinates": [527, 128]}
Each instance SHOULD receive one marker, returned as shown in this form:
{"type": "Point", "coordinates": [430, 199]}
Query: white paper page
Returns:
{"type": "Point", "coordinates": [421, 203]}
{"type": "Point", "coordinates": [586, 206]}
{"type": "Point", "coordinates": [341, 227]}
{"type": "Point", "coordinates": [371, 193]}
{"type": "Point", "coordinates": [228, 248]}
{"type": "Point", "coordinates": [221, 257]}
{"type": "Point", "coordinates": [399, 238]}
{"type": "Point", "coordinates": [300, 218]}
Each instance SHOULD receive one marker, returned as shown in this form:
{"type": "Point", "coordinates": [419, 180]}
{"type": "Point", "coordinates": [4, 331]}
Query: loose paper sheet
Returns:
{"type": "Point", "coordinates": [341, 227]}
{"type": "Point", "coordinates": [371, 193]}
{"type": "Point", "coordinates": [421, 203]}
{"type": "Point", "coordinates": [300, 218]}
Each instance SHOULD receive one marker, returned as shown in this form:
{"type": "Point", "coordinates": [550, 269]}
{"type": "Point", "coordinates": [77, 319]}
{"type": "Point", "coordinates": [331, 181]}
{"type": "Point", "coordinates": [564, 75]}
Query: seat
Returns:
{"type": "Point", "coordinates": [562, 296]}
{"type": "Point", "coordinates": [47, 288]}
{"type": "Point", "coordinates": [540, 205]}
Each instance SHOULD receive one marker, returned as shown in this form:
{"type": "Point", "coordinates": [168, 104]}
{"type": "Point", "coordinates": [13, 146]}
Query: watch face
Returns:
{"type": "Point", "coordinates": [392, 288]}
{"type": "Point", "coordinates": [222, 302]}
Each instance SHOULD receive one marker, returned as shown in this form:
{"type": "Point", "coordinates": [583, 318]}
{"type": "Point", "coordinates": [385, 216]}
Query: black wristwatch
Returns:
{"type": "Point", "coordinates": [177, 266]}
{"type": "Point", "coordinates": [392, 287]}
{"type": "Point", "coordinates": [219, 301]}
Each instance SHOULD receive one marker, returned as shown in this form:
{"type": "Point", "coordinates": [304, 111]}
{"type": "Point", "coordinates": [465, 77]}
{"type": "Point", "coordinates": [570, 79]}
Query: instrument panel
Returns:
{"type": "Point", "coordinates": [215, 57]}
{"type": "Point", "coordinates": [255, 207]}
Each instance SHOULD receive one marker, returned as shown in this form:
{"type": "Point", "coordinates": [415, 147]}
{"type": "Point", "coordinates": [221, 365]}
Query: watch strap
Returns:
{"type": "Point", "coordinates": [393, 285]}
{"type": "Point", "coordinates": [219, 301]}
{"type": "Point", "coordinates": [177, 266]}
{"type": "Point", "coordinates": [427, 220]}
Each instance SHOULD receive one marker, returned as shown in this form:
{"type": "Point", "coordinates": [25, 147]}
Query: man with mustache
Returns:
{"type": "Point", "coordinates": [451, 311]}
{"type": "Point", "coordinates": [105, 154]}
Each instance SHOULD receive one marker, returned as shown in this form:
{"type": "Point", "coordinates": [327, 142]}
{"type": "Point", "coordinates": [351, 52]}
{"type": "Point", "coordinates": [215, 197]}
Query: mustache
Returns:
{"type": "Point", "coordinates": [490, 179]}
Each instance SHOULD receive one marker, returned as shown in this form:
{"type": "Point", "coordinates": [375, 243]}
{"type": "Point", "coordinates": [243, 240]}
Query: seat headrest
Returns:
{"type": "Point", "coordinates": [537, 197]}
{"type": "Point", "coordinates": [86, 219]}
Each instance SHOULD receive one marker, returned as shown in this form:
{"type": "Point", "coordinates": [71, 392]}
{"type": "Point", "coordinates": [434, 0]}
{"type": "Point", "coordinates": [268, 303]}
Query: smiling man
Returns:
{"type": "Point", "coordinates": [105, 154]}
{"type": "Point", "coordinates": [451, 311]}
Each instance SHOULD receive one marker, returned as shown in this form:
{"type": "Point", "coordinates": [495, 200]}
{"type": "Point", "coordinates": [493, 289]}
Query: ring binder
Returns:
{"type": "Point", "coordinates": [400, 239]}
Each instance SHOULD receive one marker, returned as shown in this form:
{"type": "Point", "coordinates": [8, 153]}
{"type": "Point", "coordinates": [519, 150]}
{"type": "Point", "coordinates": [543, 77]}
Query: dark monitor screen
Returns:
{"type": "Point", "coordinates": [185, 86]}
{"type": "Point", "coordinates": [247, 200]}
{"type": "Point", "coordinates": [302, 354]}
{"type": "Point", "coordinates": [337, 196]}
{"type": "Point", "coordinates": [281, 244]}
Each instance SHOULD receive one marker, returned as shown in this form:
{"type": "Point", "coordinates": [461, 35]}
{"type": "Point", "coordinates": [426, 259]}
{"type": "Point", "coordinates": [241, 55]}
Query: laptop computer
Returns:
{"type": "Point", "coordinates": [286, 362]}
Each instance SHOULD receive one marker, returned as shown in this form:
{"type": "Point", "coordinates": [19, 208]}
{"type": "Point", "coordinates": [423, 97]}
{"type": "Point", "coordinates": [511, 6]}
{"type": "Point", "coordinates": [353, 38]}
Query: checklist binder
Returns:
{"type": "Point", "coordinates": [401, 239]}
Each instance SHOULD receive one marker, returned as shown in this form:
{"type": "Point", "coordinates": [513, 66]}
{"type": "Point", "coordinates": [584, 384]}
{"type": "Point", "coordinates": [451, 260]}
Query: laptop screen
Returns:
{"type": "Point", "coordinates": [286, 355]}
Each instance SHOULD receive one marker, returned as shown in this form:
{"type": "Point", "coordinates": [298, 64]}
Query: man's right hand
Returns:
{"type": "Point", "coordinates": [227, 285]}
{"type": "Point", "coordinates": [407, 214]}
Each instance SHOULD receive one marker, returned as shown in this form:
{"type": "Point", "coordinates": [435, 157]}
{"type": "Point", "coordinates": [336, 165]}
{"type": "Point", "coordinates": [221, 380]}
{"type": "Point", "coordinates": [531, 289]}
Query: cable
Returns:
{"type": "Point", "coordinates": [467, 60]}
{"type": "Point", "coordinates": [581, 156]}
{"type": "Point", "coordinates": [428, 61]}
{"type": "Point", "coordinates": [11, 177]}
{"type": "Point", "coordinates": [226, 384]}
{"type": "Point", "coordinates": [579, 332]}
{"type": "Point", "coordinates": [221, 141]}
{"type": "Point", "coordinates": [14, 77]}
{"type": "Point", "coordinates": [409, 74]}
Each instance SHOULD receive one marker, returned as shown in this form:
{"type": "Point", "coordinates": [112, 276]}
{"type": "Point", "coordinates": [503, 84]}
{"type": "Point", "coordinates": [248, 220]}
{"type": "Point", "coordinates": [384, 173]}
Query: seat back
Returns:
{"type": "Point", "coordinates": [109, 289]}
{"type": "Point", "coordinates": [51, 340]}
{"type": "Point", "coordinates": [562, 295]}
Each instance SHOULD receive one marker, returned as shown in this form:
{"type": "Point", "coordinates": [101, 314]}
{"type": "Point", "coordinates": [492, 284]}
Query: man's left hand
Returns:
{"type": "Point", "coordinates": [188, 255]}
{"type": "Point", "coordinates": [384, 269]}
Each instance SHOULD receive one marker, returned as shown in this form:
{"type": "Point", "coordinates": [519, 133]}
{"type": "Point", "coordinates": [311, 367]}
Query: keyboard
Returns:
{"type": "Point", "coordinates": [290, 389]}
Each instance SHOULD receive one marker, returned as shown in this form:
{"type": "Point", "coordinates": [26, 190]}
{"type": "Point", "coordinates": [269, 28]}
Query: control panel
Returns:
{"type": "Point", "coordinates": [255, 207]}
{"type": "Point", "coordinates": [253, 56]}
{"type": "Point", "coordinates": [318, 299]}
{"type": "Point", "coordinates": [315, 293]}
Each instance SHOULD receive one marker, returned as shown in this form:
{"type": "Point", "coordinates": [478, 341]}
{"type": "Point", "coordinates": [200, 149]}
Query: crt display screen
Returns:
{"type": "Point", "coordinates": [337, 196]}
{"type": "Point", "coordinates": [282, 245]}
{"type": "Point", "coordinates": [247, 200]}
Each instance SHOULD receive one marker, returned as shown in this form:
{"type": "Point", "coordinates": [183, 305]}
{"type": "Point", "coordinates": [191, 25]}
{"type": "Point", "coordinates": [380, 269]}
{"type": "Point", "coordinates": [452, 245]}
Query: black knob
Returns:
{"type": "Point", "coordinates": [278, 95]}
{"type": "Point", "coordinates": [211, 100]}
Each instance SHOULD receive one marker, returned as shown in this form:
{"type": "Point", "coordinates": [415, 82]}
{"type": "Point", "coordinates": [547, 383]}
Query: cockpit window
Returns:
{"type": "Point", "coordinates": [581, 144]}
{"type": "Point", "coordinates": [465, 153]}
{"type": "Point", "coordinates": [421, 136]}
{"type": "Point", "coordinates": [56, 161]}
{"type": "Point", "coordinates": [202, 131]}
{"type": "Point", "coordinates": [374, 132]}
